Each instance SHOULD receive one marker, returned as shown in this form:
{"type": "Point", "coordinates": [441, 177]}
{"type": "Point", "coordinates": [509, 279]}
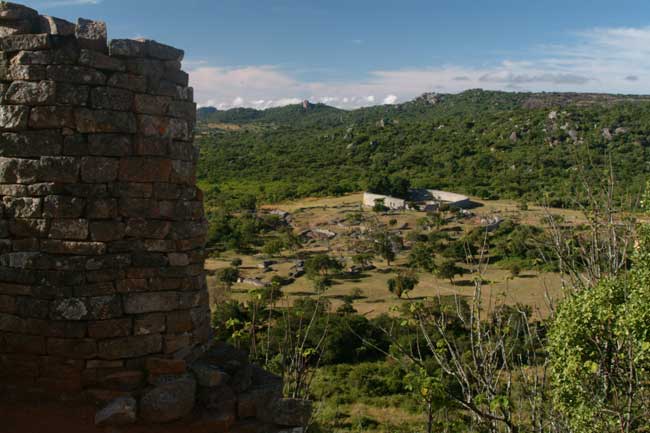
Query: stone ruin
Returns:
{"type": "Point", "coordinates": [103, 294]}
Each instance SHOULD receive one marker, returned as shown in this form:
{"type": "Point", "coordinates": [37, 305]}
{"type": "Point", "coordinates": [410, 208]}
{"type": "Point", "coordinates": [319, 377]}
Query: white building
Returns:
{"type": "Point", "coordinates": [370, 199]}
{"type": "Point", "coordinates": [427, 199]}
{"type": "Point", "coordinates": [451, 198]}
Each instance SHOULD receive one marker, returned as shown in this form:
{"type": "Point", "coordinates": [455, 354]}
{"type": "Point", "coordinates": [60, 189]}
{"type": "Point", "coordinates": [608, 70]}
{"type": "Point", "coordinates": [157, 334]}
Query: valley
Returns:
{"type": "Point", "coordinates": [530, 287]}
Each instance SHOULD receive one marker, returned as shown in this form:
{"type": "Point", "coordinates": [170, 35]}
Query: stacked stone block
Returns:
{"type": "Point", "coordinates": [102, 227]}
{"type": "Point", "coordinates": [102, 287]}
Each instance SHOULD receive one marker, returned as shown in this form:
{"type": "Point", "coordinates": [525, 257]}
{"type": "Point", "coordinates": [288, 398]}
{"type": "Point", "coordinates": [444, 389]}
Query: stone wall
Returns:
{"type": "Point", "coordinates": [102, 287]}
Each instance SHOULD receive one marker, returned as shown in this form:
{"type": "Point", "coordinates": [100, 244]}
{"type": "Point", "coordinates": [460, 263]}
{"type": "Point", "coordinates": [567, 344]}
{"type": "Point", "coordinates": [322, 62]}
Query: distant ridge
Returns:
{"type": "Point", "coordinates": [480, 99]}
{"type": "Point", "coordinates": [490, 144]}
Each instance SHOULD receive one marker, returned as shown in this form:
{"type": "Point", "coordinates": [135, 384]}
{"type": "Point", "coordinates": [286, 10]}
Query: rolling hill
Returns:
{"type": "Point", "coordinates": [528, 146]}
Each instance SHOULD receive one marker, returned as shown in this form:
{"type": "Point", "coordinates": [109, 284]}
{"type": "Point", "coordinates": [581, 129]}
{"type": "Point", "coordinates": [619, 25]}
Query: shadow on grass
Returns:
{"type": "Point", "coordinates": [344, 297]}
{"type": "Point", "coordinates": [351, 277]}
{"type": "Point", "coordinates": [376, 301]}
{"type": "Point", "coordinates": [302, 294]}
{"type": "Point", "coordinates": [526, 276]}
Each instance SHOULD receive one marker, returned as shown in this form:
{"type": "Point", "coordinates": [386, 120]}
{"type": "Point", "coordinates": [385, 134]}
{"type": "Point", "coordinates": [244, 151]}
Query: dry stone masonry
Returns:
{"type": "Point", "coordinates": [102, 288]}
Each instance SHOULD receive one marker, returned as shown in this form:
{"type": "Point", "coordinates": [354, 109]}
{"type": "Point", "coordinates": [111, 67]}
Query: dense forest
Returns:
{"type": "Point", "coordinates": [483, 143]}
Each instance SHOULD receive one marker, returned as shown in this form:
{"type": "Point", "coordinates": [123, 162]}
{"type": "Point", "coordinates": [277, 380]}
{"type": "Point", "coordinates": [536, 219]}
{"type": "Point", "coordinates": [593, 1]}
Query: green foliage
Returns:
{"type": "Point", "coordinates": [422, 257]}
{"type": "Point", "coordinates": [321, 265]}
{"type": "Point", "coordinates": [599, 349]}
{"type": "Point", "coordinates": [402, 283]}
{"type": "Point", "coordinates": [386, 244]}
{"type": "Point", "coordinates": [461, 143]}
{"type": "Point", "coordinates": [448, 270]}
{"type": "Point", "coordinates": [228, 276]}
{"type": "Point", "coordinates": [363, 259]}
{"type": "Point", "coordinates": [379, 206]}
{"type": "Point", "coordinates": [227, 231]}
{"type": "Point", "coordinates": [273, 247]}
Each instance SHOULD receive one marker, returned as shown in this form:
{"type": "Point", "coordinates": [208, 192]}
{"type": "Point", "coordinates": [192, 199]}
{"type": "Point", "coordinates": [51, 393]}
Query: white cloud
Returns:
{"type": "Point", "coordinates": [63, 3]}
{"type": "Point", "coordinates": [599, 60]}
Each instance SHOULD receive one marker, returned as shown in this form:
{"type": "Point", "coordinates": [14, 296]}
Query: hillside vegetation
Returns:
{"type": "Point", "coordinates": [508, 318]}
{"type": "Point", "coordinates": [487, 144]}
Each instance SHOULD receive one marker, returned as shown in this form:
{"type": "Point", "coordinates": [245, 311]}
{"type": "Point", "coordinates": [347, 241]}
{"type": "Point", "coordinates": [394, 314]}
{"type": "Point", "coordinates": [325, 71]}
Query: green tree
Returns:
{"type": "Point", "coordinates": [273, 247]}
{"type": "Point", "coordinates": [448, 270]}
{"type": "Point", "coordinates": [402, 283]}
{"type": "Point", "coordinates": [422, 256]}
{"type": "Point", "coordinates": [363, 259]}
{"type": "Point", "coordinates": [599, 349]}
{"type": "Point", "coordinates": [321, 264]}
{"type": "Point", "coordinates": [228, 276]}
{"type": "Point", "coordinates": [386, 245]}
{"type": "Point", "coordinates": [379, 206]}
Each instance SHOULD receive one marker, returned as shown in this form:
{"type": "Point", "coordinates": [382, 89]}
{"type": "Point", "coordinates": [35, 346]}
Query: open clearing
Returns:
{"type": "Point", "coordinates": [532, 288]}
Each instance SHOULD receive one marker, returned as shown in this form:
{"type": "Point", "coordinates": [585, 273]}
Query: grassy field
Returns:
{"type": "Point", "coordinates": [529, 287]}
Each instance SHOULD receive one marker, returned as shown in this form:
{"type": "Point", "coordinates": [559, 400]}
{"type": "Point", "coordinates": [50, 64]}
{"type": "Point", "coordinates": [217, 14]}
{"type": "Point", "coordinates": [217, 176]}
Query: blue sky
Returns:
{"type": "Point", "coordinates": [358, 52]}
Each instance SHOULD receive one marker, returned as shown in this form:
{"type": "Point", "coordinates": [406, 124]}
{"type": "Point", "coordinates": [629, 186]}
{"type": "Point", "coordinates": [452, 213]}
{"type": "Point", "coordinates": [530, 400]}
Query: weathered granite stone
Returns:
{"type": "Point", "coordinates": [31, 93]}
{"type": "Point", "coordinates": [13, 11]}
{"type": "Point", "coordinates": [17, 27]}
{"type": "Point", "coordinates": [75, 75]}
{"type": "Point", "coordinates": [217, 421]}
{"type": "Point", "coordinates": [291, 412]}
{"type": "Point", "coordinates": [99, 169]}
{"type": "Point", "coordinates": [74, 248]}
{"type": "Point", "coordinates": [221, 398]}
{"type": "Point", "coordinates": [55, 26]}
{"type": "Point", "coordinates": [138, 303]}
{"type": "Point", "coordinates": [169, 401]}
{"type": "Point", "coordinates": [69, 229]}
{"type": "Point", "coordinates": [95, 59]}
{"type": "Point", "coordinates": [135, 83]}
{"type": "Point", "coordinates": [110, 328]}
{"type": "Point", "coordinates": [92, 34]}
{"type": "Point", "coordinates": [15, 43]}
{"type": "Point", "coordinates": [208, 375]}
{"type": "Point", "coordinates": [51, 117]}
{"type": "Point", "coordinates": [110, 98]}
{"type": "Point", "coordinates": [127, 48]}
{"type": "Point", "coordinates": [32, 58]}
{"type": "Point", "coordinates": [72, 94]}
{"type": "Point", "coordinates": [164, 52]}
{"type": "Point", "coordinates": [73, 348]}
{"type": "Point", "coordinates": [148, 323]}
{"type": "Point", "coordinates": [120, 411]}
{"type": "Point", "coordinates": [162, 366]}
{"type": "Point", "coordinates": [102, 121]}
{"type": "Point", "coordinates": [23, 72]}
{"type": "Point", "coordinates": [29, 144]}
{"type": "Point", "coordinates": [107, 231]}
{"type": "Point", "coordinates": [13, 117]}
{"type": "Point", "coordinates": [56, 206]}
{"type": "Point", "coordinates": [109, 144]}
{"type": "Point", "coordinates": [144, 170]}
{"type": "Point", "coordinates": [130, 347]}
{"type": "Point", "coordinates": [128, 380]}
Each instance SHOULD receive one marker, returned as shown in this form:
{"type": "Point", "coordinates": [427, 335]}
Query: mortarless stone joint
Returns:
{"type": "Point", "coordinates": [102, 230]}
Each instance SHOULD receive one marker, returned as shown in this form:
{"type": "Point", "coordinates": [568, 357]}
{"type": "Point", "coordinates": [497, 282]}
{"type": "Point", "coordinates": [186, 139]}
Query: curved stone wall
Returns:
{"type": "Point", "coordinates": [102, 227]}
